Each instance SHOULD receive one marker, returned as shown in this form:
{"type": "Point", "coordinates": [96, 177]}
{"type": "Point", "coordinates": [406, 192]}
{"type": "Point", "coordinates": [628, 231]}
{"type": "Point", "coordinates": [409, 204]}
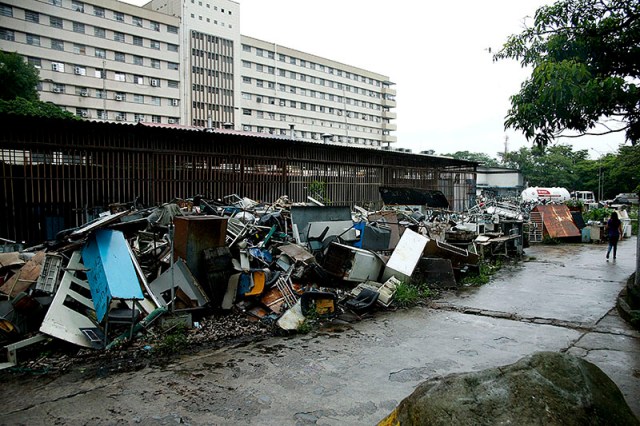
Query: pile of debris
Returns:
{"type": "Point", "coordinates": [265, 266]}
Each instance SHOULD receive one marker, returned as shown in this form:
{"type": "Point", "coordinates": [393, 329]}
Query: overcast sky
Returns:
{"type": "Point", "coordinates": [451, 96]}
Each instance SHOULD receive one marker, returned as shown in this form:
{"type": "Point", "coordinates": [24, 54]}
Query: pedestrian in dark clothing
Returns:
{"type": "Point", "coordinates": [614, 230]}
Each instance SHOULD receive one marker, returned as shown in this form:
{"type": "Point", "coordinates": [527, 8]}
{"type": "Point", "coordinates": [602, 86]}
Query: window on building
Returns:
{"type": "Point", "coordinates": [173, 84]}
{"type": "Point", "coordinates": [55, 22]}
{"type": "Point", "coordinates": [259, 52]}
{"type": "Point", "coordinates": [118, 16]}
{"type": "Point", "coordinates": [31, 16]}
{"type": "Point", "coordinates": [119, 76]}
{"type": "Point", "coordinates": [119, 56]}
{"type": "Point", "coordinates": [99, 32]}
{"type": "Point", "coordinates": [137, 98]}
{"type": "Point", "coordinates": [155, 26]}
{"type": "Point", "coordinates": [78, 27]}
{"type": "Point", "coordinates": [155, 101]}
{"type": "Point", "coordinates": [100, 53]}
{"type": "Point", "coordinates": [172, 29]}
{"type": "Point", "coordinates": [36, 62]}
{"type": "Point", "coordinates": [77, 6]}
{"type": "Point", "coordinates": [57, 66]}
{"type": "Point", "coordinates": [155, 119]}
{"type": "Point", "coordinates": [154, 82]}
{"type": "Point", "coordinates": [82, 91]}
{"type": "Point", "coordinates": [137, 60]}
{"type": "Point", "coordinates": [137, 41]}
{"type": "Point", "coordinates": [246, 96]}
{"type": "Point", "coordinates": [118, 36]}
{"type": "Point", "coordinates": [33, 40]}
{"type": "Point", "coordinates": [172, 47]}
{"type": "Point", "coordinates": [121, 116]}
{"type": "Point", "coordinates": [138, 79]}
{"type": "Point", "coordinates": [98, 11]}
{"type": "Point", "coordinates": [246, 111]}
{"type": "Point", "coordinates": [246, 48]}
{"type": "Point", "coordinates": [79, 49]}
{"type": "Point", "coordinates": [100, 74]}
{"type": "Point", "coordinates": [259, 114]}
{"type": "Point", "coordinates": [246, 79]}
{"type": "Point", "coordinates": [155, 63]}
{"type": "Point", "coordinates": [172, 66]}
{"type": "Point", "coordinates": [246, 64]}
{"type": "Point", "coordinates": [57, 44]}
{"type": "Point", "coordinates": [137, 21]}
{"type": "Point", "coordinates": [101, 94]}
{"type": "Point", "coordinates": [102, 115]}
{"type": "Point", "coordinates": [154, 44]}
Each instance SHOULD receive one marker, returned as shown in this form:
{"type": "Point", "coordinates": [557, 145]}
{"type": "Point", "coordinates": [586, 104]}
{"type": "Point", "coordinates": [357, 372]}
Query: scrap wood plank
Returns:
{"type": "Point", "coordinates": [25, 277]}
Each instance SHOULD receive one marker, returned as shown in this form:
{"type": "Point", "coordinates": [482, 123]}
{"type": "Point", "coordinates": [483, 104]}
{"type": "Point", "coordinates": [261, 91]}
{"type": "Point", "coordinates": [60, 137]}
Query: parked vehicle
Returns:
{"type": "Point", "coordinates": [586, 197]}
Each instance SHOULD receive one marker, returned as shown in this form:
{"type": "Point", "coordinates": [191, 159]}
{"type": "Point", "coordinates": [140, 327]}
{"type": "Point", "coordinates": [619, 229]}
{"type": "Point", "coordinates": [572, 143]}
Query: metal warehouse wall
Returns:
{"type": "Point", "coordinates": [58, 174]}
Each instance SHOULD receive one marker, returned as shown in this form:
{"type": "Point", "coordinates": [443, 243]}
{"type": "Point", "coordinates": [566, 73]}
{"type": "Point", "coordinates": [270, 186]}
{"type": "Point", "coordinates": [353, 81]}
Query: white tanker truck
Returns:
{"type": "Point", "coordinates": [554, 194]}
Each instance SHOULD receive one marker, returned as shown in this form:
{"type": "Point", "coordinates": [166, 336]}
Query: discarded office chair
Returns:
{"type": "Point", "coordinates": [320, 303]}
{"type": "Point", "coordinates": [364, 301]}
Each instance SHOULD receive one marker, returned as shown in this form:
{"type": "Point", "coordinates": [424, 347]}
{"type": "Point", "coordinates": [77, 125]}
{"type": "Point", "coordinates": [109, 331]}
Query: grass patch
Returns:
{"type": "Point", "coordinates": [174, 341]}
{"type": "Point", "coordinates": [409, 294]}
{"type": "Point", "coordinates": [487, 269]}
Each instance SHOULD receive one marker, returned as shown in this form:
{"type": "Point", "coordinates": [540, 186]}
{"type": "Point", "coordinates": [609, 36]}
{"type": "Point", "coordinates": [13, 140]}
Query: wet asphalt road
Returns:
{"type": "Point", "coordinates": [563, 299]}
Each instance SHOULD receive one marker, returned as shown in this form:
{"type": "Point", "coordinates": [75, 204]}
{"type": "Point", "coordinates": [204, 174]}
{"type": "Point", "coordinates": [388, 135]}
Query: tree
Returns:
{"type": "Point", "coordinates": [17, 78]}
{"type": "Point", "coordinates": [479, 157]}
{"type": "Point", "coordinates": [36, 108]}
{"type": "Point", "coordinates": [585, 56]}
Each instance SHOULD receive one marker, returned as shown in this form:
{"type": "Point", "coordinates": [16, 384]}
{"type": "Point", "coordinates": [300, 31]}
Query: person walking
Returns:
{"type": "Point", "coordinates": [614, 231]}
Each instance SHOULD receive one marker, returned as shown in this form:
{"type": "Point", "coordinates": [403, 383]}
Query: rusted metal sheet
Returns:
{"type": "Point", "coordinates": [557, 220]}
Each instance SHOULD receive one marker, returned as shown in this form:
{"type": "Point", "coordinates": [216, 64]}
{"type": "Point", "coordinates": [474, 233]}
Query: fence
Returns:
{"type": "Point", "coordinates": [58, 174]}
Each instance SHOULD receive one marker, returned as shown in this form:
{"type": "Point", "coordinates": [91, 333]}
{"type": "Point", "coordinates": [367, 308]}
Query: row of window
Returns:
{"type": "Point", "coordinates": [334, 124]}
{"type": "Point", "coordinates": [311, 65]}
{"type": "Point", "coordinates": [313, 80]}
{"type": "Point", "coordinates": [81, 49]}
{"type": "Point", "coordinates": [101, 12]}
{"type": "Point", "coordinates": [314, 94]}
{"type": "Point", "coordinates": [209, 6]}
{"type": "Point", "coordinates": [215, 21]}
{"type": "Point", "coordinates": [118, 96]}
{"type": "Point", "coordinates": [79, 27]}
{"type": "Point", "coordinates": [310, 135]}
{"type": "Point", "coordinates": [122, 116]}
{"type": "Point", "coordinates": [81, 70]}
{"type": "Point", "coordinates": [311, 107]}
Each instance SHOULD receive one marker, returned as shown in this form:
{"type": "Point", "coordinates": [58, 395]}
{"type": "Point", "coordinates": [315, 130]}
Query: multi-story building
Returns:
{"type": "Point", "coordinates": [102, 59]}
{"type": "Point", "coordinates": [185, 62]}
{"type": "Point", "coordinates": [288, 92]}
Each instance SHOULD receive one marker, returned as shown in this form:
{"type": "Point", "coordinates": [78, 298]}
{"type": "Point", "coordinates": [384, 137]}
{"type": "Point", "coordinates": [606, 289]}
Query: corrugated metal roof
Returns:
{"type": "Point", "coordinates": [558, 221]}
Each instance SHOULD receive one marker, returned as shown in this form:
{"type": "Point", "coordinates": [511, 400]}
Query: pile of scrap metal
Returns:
{"type": "Point", "coordinates": [279, 263]}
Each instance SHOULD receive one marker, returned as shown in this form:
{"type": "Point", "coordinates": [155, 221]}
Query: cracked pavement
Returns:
{"type": "Point", "coordinates": [562, 300]}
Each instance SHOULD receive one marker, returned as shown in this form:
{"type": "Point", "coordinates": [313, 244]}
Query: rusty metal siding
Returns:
{"type": "Point", "coordinates": [558, 221]}
{"type": "Point", "coordinates": [62, 173]}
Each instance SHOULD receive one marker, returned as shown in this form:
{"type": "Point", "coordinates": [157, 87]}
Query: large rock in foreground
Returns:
{"type": "Point", "coordinates": [546, 388]}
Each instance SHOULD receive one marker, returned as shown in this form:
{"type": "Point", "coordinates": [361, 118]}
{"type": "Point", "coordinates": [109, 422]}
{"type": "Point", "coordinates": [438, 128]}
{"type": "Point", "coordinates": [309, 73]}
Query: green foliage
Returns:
{"type": "Point", "coordinates": [409, 294]}
{"type": "Point", "coordinates": [597, 215]}
{"type": "Point", "coordinates": [479, 157]}
{"type": "Point", "coordinates": [583, 55]}
{"type": "Point", "coordinates": [311, 321]}
{"type": "Point", "coordinates": [17, 78]}
{"type": "Point", "coordinates": [21, 106]}
{"type": "Point", "coordinates": [550, 241]}
{"type": "Point", "coordinates": [174, 341]}
{"type": "Point", "coordinates": [486, 270]}
{"type": "Point", "coordinates": [559, 165]}
{"type": "Point", "coordinates": [318, 190]}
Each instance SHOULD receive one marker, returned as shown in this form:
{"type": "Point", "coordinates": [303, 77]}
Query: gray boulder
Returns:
{"type": "Point", "coordinates": [546, 388]}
